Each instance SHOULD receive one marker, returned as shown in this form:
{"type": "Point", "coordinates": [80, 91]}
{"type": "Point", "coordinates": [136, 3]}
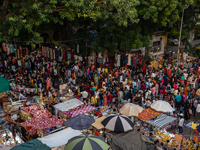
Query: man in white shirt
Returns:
{"type": "Point", "coordinates": [180, 124]}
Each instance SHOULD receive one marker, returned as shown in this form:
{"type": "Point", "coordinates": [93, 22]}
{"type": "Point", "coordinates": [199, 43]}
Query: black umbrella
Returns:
{"type": "Point", "coordinates": [80, 122]}
{"type": "Point", "coordinates": [117, 123]}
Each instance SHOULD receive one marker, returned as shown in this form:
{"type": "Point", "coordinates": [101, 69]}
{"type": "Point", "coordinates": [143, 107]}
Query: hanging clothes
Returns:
{"type": "Point", "coordinates": [129, 59]}
{"type": "Point", "coordinates": [64, 55]}
{"type": "Point", "coordinates": [107, 59]}
{"type": "Point", "coordinates": [56, 55]}
{"type": "Point", "coordinates": [77, 48]}
{"type": "Point", "coordinates": [3, 45]}
{"type": "Point", "coordinates": [118, 60]}
{"type": "Point", "coordinates": [132, 62]}
{"type": "Point", "coordinates": [20, 51]}
{"type": "Point", "coordinates": [12, 48]}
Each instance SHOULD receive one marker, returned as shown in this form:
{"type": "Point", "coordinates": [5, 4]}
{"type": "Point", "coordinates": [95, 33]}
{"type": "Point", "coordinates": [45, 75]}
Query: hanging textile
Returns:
{"type": "Point", "coordinates": [54, 54]}
{"type": "Point", "coordinates": [129, 59]}
{"type": "Point", "coordinates": [68, 55]}
{"type": "Point", "coordinates": [18, 52]}
{"type": "Point", "coordinates": [77, 48]}
{"type": "Point", "coordinates": [4, 48]}
{"type": "Point", "coordinates": [61, 53]}
{"type": "Point", "coordinates": [12, 48]}
{"type": "Point", "coordinates": [118, 60]}
{"type": "Point", "coordinates": [64, 55]}
{"type": "Point", "coordinates": [134, 64]}
{"type": "Point", "coordinates": [51, 53]}
{"type": "Point", "coordinates": [26, 51]}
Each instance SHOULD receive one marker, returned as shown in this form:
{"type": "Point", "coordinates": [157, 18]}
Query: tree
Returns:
{"type": "Point", "coordinates": [27, 16]}
{"type": "Point", "coordinates": [152, 15]}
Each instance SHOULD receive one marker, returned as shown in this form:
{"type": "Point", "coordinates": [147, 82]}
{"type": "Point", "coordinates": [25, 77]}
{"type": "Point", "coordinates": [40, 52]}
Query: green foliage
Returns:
{"type": "Point", "coordinates": [119, 24]}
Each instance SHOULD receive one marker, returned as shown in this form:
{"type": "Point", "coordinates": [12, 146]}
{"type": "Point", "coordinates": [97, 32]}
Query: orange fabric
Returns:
{"type": "Point", "coordinates": [73, 76]}
{"type": "Point", "coordinates": [148, 115]}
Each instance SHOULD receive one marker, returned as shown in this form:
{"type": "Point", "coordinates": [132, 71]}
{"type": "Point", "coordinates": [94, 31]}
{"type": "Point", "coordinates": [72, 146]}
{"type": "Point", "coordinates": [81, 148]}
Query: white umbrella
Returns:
{"type": "Point", "coordinates": [162, 106]}
{"type": "Point", "coordinates": [85, 94]}
{"type": "Point", "coordinates": [131, 109]}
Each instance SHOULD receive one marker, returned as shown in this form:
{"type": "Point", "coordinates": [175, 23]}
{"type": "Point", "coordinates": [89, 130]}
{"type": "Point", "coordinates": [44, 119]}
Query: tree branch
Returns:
{"type": "Point", "coordinates": [5, 4]}
{"type": "Point", "coordinates": [12, 13]}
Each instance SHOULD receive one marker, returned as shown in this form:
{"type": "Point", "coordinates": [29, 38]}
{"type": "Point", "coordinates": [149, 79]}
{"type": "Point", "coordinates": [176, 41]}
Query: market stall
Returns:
{"type": "Point", "coordinates": [7, 138]}
{"type": "Point", "coordinates": [4, 85]}
{"type": "Point", "coordinates": [147, 114]}
{"type": "Point", "coordinates": [131, 140]}
{"type": "Point", "coordinates": [33, 144]}
{"type": "Point", "coordinates": [67, 105]}
{"type": "Point", "coordinates": [161, 121]}
{"type": "Point", "coordinates": [37, 112]}
{"type": "Point", "coordinates": [85, 108]}
{"type": "Point", "coordinates": [37, 124]}
{"type": "Point", "coordinates": [59, 138]}
{"type": "Point", "coordinates": [97, 124]}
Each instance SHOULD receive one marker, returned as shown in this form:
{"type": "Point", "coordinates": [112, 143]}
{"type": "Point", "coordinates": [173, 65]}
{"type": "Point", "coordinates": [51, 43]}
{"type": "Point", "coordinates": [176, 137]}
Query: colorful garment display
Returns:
{"type": "Point", "coordinates": [147, 114]}
{"type": "Point", "coordinates": [85, 108]}
{"type": "Point", "coordinates": [42, 123]}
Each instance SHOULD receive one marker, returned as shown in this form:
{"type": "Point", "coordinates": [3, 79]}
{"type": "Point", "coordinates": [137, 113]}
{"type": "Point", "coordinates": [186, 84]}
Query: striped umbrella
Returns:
{"type": "Point", "coordinates": [86, 142]}
{"type": "Point", "coordinates": [117, 123]}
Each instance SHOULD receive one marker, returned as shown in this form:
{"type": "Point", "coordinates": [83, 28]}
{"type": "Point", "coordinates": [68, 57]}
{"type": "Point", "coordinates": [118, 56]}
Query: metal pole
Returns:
{"type": "Point", "coordinates": [179, 42]}
{"type": "Point", "coordinates": [86, 54]}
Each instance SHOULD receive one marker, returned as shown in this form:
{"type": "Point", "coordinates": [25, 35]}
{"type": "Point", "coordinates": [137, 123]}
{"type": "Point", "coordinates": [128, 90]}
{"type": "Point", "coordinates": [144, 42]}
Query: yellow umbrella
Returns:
{"type": "Point", "coordinates": [131, 109]}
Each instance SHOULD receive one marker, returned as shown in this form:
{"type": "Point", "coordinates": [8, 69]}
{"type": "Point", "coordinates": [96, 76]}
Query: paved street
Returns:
{"type": "Point", "coordinates": [175, 48]}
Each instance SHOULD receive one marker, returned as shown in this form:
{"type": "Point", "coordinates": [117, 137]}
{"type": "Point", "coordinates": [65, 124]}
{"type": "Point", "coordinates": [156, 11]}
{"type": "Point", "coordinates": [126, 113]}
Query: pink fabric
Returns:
{"type": "Point", "coordinates": [184, 96]}
{"type": "Point", "coordinates": [116, 74]}
{"type": "Point", "coordinates": [85, 108]}
{"type": "Point", "coordinates": [37, 112]}
{"type": "Point", "coordinates": [42, 123]}
{"type": "Point", "coordinates": [48, 82]}
{"type": "Point", "coordinates": [153, 90]}
{"type": "Point", "coordinates": [88, 70]}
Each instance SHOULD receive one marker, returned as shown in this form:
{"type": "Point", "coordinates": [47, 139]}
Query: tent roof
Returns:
{"type": "Point", "coordinates": [32, 145]}
{"type": "Point", "coordinates": [4, 85]}
{"type": "Point", "coordinates": [97, 124]}
{"type": "Point", "coordinates": [131, 140]}
{"type": "Point", "coordinates": [67, 105]}
{"type": "Point", "coordinates": [60, 138]}
{"type": "Point", "coordinates": [161, 121]}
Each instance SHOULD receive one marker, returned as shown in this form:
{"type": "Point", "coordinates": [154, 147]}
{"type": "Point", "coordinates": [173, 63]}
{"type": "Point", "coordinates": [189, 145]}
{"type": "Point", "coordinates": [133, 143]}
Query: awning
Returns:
{"type": "Point", "coordinates": [67, 105]}
{"type": "Point", "coordinates": [32, 145]}
{"type": "Point", "coordinates": [85, 108]}
{"type": "Point", "coordinates": [97, 124]}
{"type": "Point", "coordinates": [59, 138]}
{"type": "Point", "coordinates": [4, 85]}
{"type": "Point", "coordinates": [161, 121]}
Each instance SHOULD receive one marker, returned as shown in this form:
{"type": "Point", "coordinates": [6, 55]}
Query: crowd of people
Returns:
{"type": "Point", "coordinates": [111, 86]}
